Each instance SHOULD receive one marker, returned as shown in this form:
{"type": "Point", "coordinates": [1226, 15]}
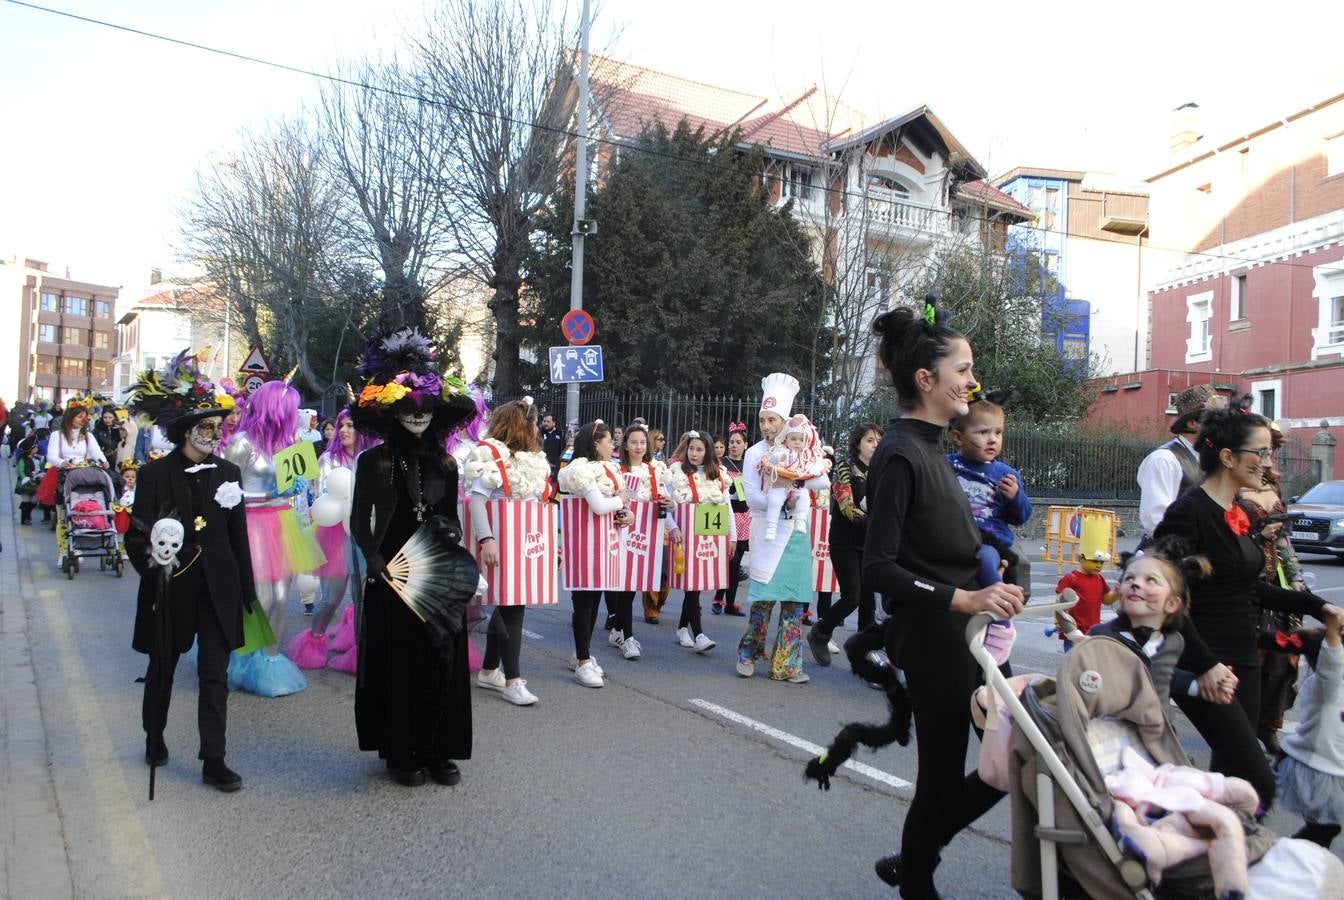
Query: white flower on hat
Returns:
{"type": "Point", "coordinates": [229, 494]}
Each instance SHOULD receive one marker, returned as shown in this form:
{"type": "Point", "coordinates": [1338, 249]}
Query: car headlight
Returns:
{"type": "Point", "coordinates": [1339, 524]}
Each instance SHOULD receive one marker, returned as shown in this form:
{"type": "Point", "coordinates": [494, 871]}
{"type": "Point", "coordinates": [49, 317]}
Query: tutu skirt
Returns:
{"type": "Point", "coordinates": [334, 543]}
{"type": "Point", "coordinates": [1316, 796]}
{"type": "Point", "coordinates": [265, 676]}
{"type": "Point", "coordinates": [281, 547]}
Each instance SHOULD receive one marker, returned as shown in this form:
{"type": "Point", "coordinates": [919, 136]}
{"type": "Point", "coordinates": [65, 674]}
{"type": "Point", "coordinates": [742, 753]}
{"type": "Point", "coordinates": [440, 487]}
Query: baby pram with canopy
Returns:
{"type": "Point", "coordinates": [86, 525]}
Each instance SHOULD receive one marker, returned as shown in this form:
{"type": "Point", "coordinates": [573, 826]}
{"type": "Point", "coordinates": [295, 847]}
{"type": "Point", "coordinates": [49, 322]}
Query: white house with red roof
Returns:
{"type": "Point", "coordinates": [169, 317]}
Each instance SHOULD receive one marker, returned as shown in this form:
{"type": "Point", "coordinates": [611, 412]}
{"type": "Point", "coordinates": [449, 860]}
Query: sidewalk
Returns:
{"type": "Point", "coordinates": [33, 852]}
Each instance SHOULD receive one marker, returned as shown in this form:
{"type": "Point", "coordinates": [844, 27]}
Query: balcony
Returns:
{"type": "Point", "coordinates": [905, 219]}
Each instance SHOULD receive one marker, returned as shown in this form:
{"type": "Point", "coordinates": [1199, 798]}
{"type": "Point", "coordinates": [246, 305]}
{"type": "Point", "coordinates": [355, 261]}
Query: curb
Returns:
{"type": "Point", "coordinates": [34, 860]}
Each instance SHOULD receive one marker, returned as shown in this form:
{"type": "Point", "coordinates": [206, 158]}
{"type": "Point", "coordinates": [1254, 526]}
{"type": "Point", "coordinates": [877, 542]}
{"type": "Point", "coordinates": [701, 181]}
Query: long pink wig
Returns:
{"type": "Point", "coordinates": [271, 421]}
{"type": "Point", "coordinates": [337, 454]}
{"type": "Point", "coordinates": [473, 428]}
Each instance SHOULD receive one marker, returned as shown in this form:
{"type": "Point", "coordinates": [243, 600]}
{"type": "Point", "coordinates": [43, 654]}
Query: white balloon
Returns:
{"type": "Point", "coordinates": [307, 585]}
{"type": "Point", "coordinates": [327, 511]}
{"type": "Point", "coordinates": [340, 483]}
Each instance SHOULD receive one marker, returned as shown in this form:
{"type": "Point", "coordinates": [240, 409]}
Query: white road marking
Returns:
{"type": "Point", "coordinates": [531, 635]}
{"type": "Point", "coordinates": [794, 741]}
{"type": "Point", "coordinates": [1338, 587]}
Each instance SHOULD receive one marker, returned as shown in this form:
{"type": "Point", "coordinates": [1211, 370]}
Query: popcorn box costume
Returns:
{"type": "Point", "coordinates": [707, 555]}
{"type": "Point", "coordinates": [642, 541]}
{"type": "Point", "coordinates": [819, 531]}
{"type": "Point", "coordinates": [523, 525]}
{"type": "Point", "coordinates": [592, 543]}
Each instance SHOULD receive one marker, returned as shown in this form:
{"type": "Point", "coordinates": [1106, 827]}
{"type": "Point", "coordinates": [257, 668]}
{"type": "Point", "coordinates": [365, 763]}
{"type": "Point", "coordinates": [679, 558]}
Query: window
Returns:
{"type": "Point", "coordinates": [74, 337]}
{"type": "Point", "coordinates": [877, 286]}
{"type": "Point", "coordinates": [102, 340]}
{"type": "Point", "coordinates": [76, 306]}
{"type": "Point", "coordinates": [149, 363]}
{"type": "Point", "coordinates": [1199, 313]}
{"type": "Point", "coordinates": [797, 182]}
{"type": "Point", "coordinates": [51, 302]}
{"type": "Point", "coordinates": [101, 373]}
{"type": "Point", "coordinates": [48, 333]}
{"type": "Point", "coordinates": [1334, 155]}
{"type": "Point", "coordinates": [102, 309]}
{"type": "Point", "coordinates": [1327, 338]}
{"type": "Point", "coordinates": [1267, 398]}
{"type": "Point", "coordinates": [46, 365]}
{"type": "Point", "coordinates": [1051, 209]}
{"type": "Point", "coordinates": [1239, 297]}
{"type": "Point", "coordinates": [881, 182]}
{"type": "Point", "coordinates": [1171, 403]}
{"type": "Point", "coordinates": [1074, 347]}
{"type": "Point", "coordinates": [73, 366]}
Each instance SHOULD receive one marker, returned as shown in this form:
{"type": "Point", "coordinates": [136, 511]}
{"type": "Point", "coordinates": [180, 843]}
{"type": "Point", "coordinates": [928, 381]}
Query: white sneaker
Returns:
{"type": "Point", "coordinates": [800, 678]}
{"type": "Point", "coordinates": [588, 676]}
{"type": "Point", "coordinates": [574, 664]}
{"type": "Point", "coordinates": [745, 669]}
{"type": "Point", "coordinates": [492, 680]}
{"type": "Point", "coordinates": [518, 694]}
{"type": "Point", "coordinates": [833, 647]}
{"type": "Point", "coordinates": [616, 637]}
{"type": "Point", "coordinates": [801, 524]}
{"type": "Point", "coordinates": [703, 644]}
{"type": "Point", "coordinates": [684, 638]}
{"type": "Point", "coordinates": [770, 531]}
{"type": "Point", "coordinates": [630, 648]}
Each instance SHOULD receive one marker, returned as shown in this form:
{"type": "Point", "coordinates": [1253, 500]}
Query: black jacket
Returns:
{"type": "Point", "coordinates": [375, 498]}
{"type": "Point", "coordinates": [162, 491]}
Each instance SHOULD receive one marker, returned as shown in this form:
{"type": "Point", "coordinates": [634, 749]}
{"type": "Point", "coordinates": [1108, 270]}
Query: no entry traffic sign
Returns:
{"type": "Point", "coordinates": [577, 326]}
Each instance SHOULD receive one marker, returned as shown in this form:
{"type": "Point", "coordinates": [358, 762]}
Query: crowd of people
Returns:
{"type": "Point", "coordinates": [439, 518]}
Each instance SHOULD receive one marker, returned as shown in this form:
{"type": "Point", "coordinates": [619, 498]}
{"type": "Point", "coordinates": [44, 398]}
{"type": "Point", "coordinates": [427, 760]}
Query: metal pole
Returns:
{"type": "Point", "coordinates": [580, 209]}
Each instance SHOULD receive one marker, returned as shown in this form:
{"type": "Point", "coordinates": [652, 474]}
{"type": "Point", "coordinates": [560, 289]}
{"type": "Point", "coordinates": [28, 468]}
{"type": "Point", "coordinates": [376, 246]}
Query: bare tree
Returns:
{"type": "Point", "coordinates": [499, 70]}
{"type": "Point", "coordinates": [385, 152]}
{"type": "Point", "coordinates": [263, 224]}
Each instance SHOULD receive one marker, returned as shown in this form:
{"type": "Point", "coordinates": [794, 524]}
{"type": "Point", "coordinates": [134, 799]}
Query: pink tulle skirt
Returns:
{"type": "Point", "coordinates": [333, 540]}
{"type": "Point", "coordinates": [281, 547]}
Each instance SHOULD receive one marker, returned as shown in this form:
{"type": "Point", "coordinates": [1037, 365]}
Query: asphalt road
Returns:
{"type": "Point", "coordinates": [677, 779]}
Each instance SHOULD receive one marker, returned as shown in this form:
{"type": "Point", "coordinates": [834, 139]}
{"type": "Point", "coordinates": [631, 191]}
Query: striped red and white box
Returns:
{"type": "Point", "coordinates": [592, 547]}
{"type": "Point", "coordinates": [819, 532]}
{"type": "Point", "coordinates": [706, 556]}
{"type": "Point", "coordinates": [528, 545]}
{"type": "Point", "coordinates": [642, 543]}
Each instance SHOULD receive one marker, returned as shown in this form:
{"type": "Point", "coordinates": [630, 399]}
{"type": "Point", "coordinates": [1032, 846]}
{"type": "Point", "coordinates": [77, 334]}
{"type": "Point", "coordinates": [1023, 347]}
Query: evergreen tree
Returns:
{"type": "Point", "coordinates": [694, 279]}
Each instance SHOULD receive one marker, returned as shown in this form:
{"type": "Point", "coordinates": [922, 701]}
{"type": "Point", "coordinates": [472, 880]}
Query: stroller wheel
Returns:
{"type": "Point", "coordinates": [74, 563]}
{"type": "Point", "coordinates": [121, 568]}
{"type": "Point", "coordinates": [68, 568]}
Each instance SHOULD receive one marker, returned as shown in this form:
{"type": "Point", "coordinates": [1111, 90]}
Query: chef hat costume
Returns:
{"type": "Point", "coordinates": [777, 393]}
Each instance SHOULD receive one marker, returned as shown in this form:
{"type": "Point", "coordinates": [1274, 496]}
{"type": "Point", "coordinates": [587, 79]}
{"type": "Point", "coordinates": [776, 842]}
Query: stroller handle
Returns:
{"type": "Point", "coordinates": [975, 629]}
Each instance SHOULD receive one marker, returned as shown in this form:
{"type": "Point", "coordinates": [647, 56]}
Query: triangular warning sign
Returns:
{"type": "Point", "coordinates": [256, 362]}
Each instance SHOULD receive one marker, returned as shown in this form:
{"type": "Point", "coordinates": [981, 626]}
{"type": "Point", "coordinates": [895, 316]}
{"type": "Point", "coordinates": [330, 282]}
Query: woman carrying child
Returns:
{"type": "Point", "coordinates": [1225, 606]}
{"type": "Point", "coordinates": [696, 479]}
{"type": "Point", "coordinates": [781, 569]}
{"type": "Point", "coordinates": [921, 555]}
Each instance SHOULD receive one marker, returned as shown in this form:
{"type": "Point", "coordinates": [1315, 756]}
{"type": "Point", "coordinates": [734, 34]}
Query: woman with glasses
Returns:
{"type": "Point", "coordinates": [1234, 447]}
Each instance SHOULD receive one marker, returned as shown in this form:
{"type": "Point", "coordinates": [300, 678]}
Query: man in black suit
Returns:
{"type": "Point", "coordinates": [211, 584]}
{"type": "Point", "coordinates": [552, 442]}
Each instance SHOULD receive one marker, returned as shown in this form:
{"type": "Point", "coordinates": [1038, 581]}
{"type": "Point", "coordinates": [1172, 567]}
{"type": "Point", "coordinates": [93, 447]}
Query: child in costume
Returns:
{"type": "Point", "coordinates": [1092, 590]}
{"type": "Point", "coordinates": [1311, 772]}
{"type": "Point", "coordinates": [27, 478]}
{"type": "Point", "coordinates": [282, 546]}
{"type": "Point", "coordinates": [795, 456]}
{"type": "Point", "coordinates": [993, 488]}
{"type": "Point", "coordinates": [697, 478]}
{"type": "Point", "coordinates": [330, 511]}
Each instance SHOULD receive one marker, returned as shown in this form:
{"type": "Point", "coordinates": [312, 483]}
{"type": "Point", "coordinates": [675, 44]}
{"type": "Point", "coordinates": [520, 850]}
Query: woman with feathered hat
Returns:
{"type": "Point", "coordinates": [211, 584]}
{"type": "Point", "coordinates": [412, 694]}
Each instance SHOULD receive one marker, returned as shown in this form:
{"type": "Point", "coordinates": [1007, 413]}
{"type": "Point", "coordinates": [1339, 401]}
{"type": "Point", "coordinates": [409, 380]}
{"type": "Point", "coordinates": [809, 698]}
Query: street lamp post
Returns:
{"type": "Point", "coordinates": [580, 208]}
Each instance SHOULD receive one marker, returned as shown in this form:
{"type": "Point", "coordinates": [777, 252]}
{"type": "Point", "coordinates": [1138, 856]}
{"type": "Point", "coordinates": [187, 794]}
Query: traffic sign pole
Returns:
{"type": "Point", "coordinates": [580, 209]}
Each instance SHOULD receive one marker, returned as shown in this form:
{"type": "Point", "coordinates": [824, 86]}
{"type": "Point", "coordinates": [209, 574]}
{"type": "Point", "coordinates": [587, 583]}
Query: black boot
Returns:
{"type": "Point", "coordinates": [25, 513]}
{"type": "Point", "coordinates": [218, 775]}
{"type": "Point", "coordinates": [406, 773]}
{"type": "Point", "coordinates": [445, 772]}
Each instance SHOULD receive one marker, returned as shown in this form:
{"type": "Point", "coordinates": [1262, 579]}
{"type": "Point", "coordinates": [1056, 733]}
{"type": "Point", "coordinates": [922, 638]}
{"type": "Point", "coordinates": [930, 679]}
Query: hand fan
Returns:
{"type": "Point", "coordinates": [435, 577]}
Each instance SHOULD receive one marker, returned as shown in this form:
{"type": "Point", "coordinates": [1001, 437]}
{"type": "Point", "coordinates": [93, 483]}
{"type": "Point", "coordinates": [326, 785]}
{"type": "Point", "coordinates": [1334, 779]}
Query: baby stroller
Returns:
{"type": "Point", "coordinates": [86, 526]}
{"type": "Point", "coordinates": [1067, 732]}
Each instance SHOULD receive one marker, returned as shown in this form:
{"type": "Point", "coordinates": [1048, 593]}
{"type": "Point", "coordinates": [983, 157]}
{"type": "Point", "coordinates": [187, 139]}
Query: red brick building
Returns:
{"type": "Point", "coordinates": [1255, 304]}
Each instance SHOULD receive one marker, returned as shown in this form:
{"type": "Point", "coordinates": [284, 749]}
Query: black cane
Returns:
{"type": "Point", "coordinates": [162, 639]}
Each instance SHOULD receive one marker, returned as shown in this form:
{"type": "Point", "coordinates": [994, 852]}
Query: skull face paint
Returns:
{"type": "Point", "coordinates": [165, 540]}
{"type": "Point", "coordinates": [416, 423]}
{"type": "Point", "coordinates": [204, 435]}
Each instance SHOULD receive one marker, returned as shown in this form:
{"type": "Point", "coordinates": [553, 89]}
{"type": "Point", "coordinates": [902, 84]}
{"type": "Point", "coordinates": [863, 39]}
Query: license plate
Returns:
{"type": "Point", "coordinates": [1305, 536]}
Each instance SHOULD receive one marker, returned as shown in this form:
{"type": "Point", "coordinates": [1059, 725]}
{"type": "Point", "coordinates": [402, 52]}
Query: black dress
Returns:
{"type": "Point", "coordinates": [412, 699]}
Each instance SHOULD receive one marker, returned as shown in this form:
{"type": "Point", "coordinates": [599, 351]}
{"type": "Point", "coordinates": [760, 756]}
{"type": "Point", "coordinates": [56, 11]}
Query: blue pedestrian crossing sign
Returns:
{"type": "Point", "coordinates": [576, 365]}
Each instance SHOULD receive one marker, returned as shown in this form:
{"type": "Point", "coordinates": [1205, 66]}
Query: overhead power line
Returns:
{"type": "Point", "coordinates": [624, 146]}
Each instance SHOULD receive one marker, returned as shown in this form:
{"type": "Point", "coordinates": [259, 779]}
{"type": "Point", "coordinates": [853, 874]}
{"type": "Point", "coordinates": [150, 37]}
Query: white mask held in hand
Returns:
{"type": "Point", "coordinates": [416, 423]}
{"type": "Point", "coordinates": [165, 540]}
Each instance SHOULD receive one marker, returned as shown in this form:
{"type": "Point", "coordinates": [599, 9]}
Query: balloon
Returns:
{"type": "Point", "coordinates": [307, 584]}
{"type": "Point", "coordinates": [339, 483]}
{"type": "Point", "coordinates": [327, 511]}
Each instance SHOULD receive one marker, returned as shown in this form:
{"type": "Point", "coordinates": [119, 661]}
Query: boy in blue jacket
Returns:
{"type": "Point", "coordinates": [998, 499]}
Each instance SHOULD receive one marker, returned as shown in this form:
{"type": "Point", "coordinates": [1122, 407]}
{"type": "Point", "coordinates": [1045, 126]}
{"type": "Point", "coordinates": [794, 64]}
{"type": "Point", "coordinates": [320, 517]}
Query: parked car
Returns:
{"type": "Point", "coordinates": [1317, 523]}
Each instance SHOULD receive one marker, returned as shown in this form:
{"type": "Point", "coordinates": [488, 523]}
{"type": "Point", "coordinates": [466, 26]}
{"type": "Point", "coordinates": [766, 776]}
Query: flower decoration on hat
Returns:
{"type": "Point", "coordinates": [400, 377]}
{"type": "Point", "coordinates": [176, 397]}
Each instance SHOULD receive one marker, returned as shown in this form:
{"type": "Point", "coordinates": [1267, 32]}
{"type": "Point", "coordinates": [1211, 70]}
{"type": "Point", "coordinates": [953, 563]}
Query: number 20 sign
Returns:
{"type": "Point", "coordinates": [295, 461]}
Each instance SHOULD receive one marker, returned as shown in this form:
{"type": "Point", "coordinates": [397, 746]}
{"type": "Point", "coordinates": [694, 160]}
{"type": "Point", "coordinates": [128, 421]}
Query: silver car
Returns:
{"type": "Point", "coordinates": [1317, 519]}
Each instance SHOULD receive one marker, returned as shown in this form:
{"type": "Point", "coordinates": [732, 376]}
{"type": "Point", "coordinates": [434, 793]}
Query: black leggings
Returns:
{"type": "Point", "coordinates": [1227, 729]}
{"type": "Point", "coordinates": [584, 620]}
{"type": "Point", "coordinates": [690, 613]}
{"type": "Point", "coordinates": [940, 674]}
{"type": "Point", "coordinates": [508, 644]}
{"type": "Point", "coordinates": [848, 562]}
{"type": "Point", "coordinates": [729, 594]}
{"type": "Point", "coordinates": [619, 611]}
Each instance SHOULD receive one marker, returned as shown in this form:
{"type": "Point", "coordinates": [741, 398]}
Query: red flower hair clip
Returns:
{"type": "Point", "coordinates": [1238, 521]}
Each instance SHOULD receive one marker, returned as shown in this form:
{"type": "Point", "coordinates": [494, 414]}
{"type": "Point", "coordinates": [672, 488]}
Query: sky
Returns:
{"type": "Point", "coordinates": [103, 131]}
